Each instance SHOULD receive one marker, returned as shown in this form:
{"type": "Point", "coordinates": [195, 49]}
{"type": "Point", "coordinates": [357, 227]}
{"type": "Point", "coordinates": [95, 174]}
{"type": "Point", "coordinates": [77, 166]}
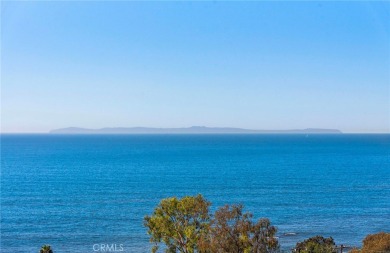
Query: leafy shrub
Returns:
{"type": "Point", "coordinates": [375, 243]}
{"type": "Point", "coordinates": [46, 249]}
{"type": "Point", "coordinates": [316, 244]}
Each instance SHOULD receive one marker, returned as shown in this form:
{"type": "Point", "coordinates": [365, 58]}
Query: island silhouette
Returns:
{"type": "Point", "coordinates": [189, 130]}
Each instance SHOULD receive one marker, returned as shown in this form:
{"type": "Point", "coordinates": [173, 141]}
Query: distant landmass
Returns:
{"type": "Point", "coordinates": [189, 130]}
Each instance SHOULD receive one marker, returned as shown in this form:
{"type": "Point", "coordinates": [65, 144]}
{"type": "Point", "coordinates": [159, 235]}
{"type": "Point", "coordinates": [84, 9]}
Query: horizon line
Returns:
{"type": "Point", "coordinates": [270, 133]}
{"type": "Point", "coordinates": [95, 131]}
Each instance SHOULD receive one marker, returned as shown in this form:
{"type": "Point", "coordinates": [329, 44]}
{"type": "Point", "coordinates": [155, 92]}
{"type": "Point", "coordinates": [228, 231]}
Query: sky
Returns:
{"type": "Point", "coordinates": [255, 65]}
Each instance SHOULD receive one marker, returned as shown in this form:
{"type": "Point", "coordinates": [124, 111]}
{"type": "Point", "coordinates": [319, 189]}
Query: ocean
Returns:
{"type": "Point", "coordinates": [77, 191]}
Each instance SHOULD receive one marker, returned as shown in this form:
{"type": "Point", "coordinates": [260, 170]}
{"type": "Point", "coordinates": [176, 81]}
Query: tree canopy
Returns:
{"type": "Point", "coordinates": [316, 244]}
{"type": "Point", "coordinates": [46, 249]}
{"type": "Point", "coordinates": [375, 243]}
{"type": "Point", "coordinates": [185, 225]}
{"type": "Point", "coordinates": [232, 230]}
{"type": "Point", "coordinates": [179, 223]}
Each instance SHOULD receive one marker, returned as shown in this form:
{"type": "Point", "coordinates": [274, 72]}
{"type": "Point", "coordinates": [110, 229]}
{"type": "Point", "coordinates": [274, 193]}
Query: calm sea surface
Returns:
{"type": "Point", "coordinates": [74, 191]}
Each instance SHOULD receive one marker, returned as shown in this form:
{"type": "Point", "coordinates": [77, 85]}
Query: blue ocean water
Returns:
{"type": "Point", "coordinates": [75, 191]}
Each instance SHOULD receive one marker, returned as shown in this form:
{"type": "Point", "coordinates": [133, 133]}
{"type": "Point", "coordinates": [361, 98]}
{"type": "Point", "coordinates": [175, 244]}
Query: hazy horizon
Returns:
{"type": "Point", "coordinates": [251, 65]}
{"type": "Point", "coordinates": [188, 126]}
{"type": "Point", "coordinates": [266, 131]}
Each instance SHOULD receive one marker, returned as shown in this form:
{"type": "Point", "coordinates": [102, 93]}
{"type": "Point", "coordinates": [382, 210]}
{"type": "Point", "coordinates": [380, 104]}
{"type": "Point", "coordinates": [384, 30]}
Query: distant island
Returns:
{"type": "Point", "coordinates": [188, 130]}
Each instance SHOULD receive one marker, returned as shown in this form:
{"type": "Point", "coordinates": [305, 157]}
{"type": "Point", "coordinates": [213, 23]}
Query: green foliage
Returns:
{"type": "Point", "coordinates": [185, 225]}
{"type": "Point", "coordinates": [232, 230]}
{"type": "Point", "coordinates": [46, 249]}
{"type": "Point", "coordinates": [317, 244]}
{"type": "Point", "coordinates": [179, 223]}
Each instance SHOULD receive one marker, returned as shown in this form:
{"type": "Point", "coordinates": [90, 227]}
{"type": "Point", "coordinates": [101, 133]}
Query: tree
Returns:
{"type": "Point", "coordinates": [375, 243]}
{"type": "Point", "coordinates": [46, 249]}
{"type": "Point", "coordinates": [317, 244]}
{"type": "Point", "coordinates": [231, 230]}
{"type": "Point", "coordinates": [179, 223]}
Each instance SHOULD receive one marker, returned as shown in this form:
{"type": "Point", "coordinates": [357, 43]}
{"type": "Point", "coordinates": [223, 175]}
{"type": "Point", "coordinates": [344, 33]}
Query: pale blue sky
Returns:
{"type": "Point", "coordinates": [258, 65]}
